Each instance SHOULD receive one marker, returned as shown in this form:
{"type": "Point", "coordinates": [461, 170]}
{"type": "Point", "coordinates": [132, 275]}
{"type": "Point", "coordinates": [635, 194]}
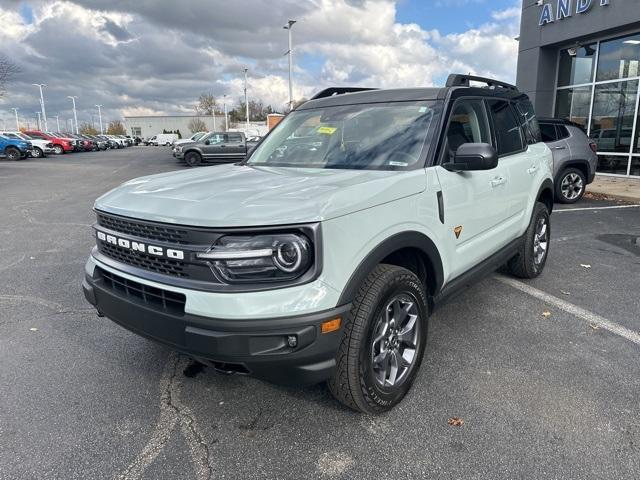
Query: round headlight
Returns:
{"type": "Point", "coordinates": [288, 256]}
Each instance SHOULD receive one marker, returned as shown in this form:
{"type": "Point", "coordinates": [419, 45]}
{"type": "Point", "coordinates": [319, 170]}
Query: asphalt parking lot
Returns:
{"type": "Point", "coordinates": [541, 396]}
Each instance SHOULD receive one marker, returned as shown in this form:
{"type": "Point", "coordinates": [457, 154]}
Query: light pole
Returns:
{"type": "Point", "coordinates": [58, 122]}
{"type": "Point", "coordinates": [226, 119]}
{"type": "Point", "coordinates": [15, 110]}
{"type": "Point", "coordinates": [39, 121]}
{"type": "Point", "coordinates": [75, 115]}
{"type": "Point", "coordinates": [288, 27]}
{"type": "Point", "coordinates": [44, 115]}
{"type": "Point", "coordinates": [100, 118]}
{"type": "Point", "coordinates": [246, 98]}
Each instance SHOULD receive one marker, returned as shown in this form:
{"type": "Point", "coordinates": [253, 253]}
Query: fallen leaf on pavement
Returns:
{"type": "Point", "coordinates": [594, 326]}
{"type": "Point", "coordinates": [33, 329]}
{"type": "Point", "coordinates": [585, 265]}
{"type": "Point", "coordinates": [564, 293]}
{"type": "Point", "coordinates": [546, 313]}
{"type": "Point", "coordinates": [455, 422]}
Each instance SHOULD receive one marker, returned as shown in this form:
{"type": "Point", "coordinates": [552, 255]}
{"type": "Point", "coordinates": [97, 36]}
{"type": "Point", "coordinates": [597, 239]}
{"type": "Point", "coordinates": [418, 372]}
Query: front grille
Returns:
{"type": "Point", "coordinates": [144, 230]}
{"type": "Point", "coordinates": [165, 266]}
{"type": "Point", "coordinates": [155, 298]}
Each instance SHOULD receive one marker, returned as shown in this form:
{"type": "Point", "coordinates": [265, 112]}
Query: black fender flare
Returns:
{"type": "Point", "coordinates": [573, 163]}
{"type": "Point", "coordinates": [547, 184]}
{"type": "Point", "coordinates": [408, 239]}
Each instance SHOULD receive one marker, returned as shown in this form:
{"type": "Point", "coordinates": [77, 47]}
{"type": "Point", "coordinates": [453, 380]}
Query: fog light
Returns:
{"type": "Point", "coordinates": [292, 341]}
{"type": "Point", "coordinates": [331, 325]}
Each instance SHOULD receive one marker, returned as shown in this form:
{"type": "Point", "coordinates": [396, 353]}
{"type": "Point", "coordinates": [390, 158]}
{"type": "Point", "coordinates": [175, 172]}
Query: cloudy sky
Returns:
{"type": "Point", "coordinates": [150, 57]}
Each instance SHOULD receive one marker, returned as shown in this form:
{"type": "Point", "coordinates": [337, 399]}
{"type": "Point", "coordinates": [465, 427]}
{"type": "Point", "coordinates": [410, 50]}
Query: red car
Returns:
{"type": "Point", "coordinates": [60, 145]}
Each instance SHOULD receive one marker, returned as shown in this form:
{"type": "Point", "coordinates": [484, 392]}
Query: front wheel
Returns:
{"type": "Point", "coordinates": [570, 186]}
{"type": "Point", "coordinates": [192, 159]}
{"type": "Point", "coordinates": [532, 256]}
{"type": "Point", "coordinates": [383, 341]}
{"type": "Point", "coordinates": [58, 149]}
{"type": "Point", "coordinates": [37, 153]}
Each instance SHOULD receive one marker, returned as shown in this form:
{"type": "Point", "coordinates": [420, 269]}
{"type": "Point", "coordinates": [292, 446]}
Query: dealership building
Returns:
{"type": "Point", "coordinates": [580, 60]}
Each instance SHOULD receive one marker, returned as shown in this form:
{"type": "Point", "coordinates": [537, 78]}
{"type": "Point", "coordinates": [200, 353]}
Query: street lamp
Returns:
{"type": "Point", "coordinates": [100, 117]}
{"type": "Point", "coordinates": [39, 121]}
{"type": "Point", "coordinates": [288, 27]}
{"type": "Point", "coordinates": [226, 119]}
{"type": "Point", "coordinates": [15, 110]}
{"type": "Point", "coordinates": [246, 101]}
{"type": "Point", "coordinates": [75, 115]}
{"type": "Point", "coordinates": [58, 122]}
{"type": "Point", "coordinates": [44, 115]}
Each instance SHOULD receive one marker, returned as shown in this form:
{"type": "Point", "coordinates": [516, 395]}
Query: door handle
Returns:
{"type": "Point", "coordinates": [497, 181]}
{"type": "Point", "coordinates": [531, 170]}
{"type": "Point", "coordinates": [559, 148]}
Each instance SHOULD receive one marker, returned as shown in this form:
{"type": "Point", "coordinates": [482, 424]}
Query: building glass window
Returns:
{"type": "Point", "coordinates": [604, 99]}
{"type": "Point", "coordinates": [573, 104]}
{"type": "Point", "coordinates": [619, 58]}
{"type": "Point", "coordinates": [614, 106]}
{"type": "Point", "coordinates": [576, 65]}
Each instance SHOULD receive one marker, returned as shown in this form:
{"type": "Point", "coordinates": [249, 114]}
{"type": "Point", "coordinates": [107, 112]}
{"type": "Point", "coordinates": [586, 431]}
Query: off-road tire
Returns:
{"type": "Point", "coordinates": [13, 154]}
{"type": "Point", "coordinates": [352, 383]}
{"type": "Point", "coordinates": [559, 196]}
{"type": "Point", "coordinates": [523, 265]}
{"type": "Point", "coordinates": [192, 159]}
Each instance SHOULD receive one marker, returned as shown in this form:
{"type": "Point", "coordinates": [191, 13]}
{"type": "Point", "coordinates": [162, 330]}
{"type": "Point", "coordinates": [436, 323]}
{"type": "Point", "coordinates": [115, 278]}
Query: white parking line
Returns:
{"type": "Point", "coordinates": [574, 310]}
{"type": "Point", "coordinates": [593, 208]}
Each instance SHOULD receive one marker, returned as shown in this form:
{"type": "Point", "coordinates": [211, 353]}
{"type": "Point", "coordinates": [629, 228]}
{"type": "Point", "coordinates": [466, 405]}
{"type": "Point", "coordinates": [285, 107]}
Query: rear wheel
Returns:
{"type": "Point", "coordinates": [58, 149]}
{"type": "Point", "coordinates": [13, 154]}
{"type": "Point", "coordinates": [571, 186]}
{"type": "Point", "coordinates": [383, 341]}
{"type": "Point", "coordinates": [193, 159]}
{"type": "Point", "coordinates": [531, 259]}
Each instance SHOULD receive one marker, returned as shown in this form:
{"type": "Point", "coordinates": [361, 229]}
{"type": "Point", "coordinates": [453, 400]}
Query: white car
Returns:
{"type": "Point", "coordinates": [40, 147]}
{"type": "Point", "coordinates": [193, 138]}
{"type": "Point", "coordinates": [121, 141]}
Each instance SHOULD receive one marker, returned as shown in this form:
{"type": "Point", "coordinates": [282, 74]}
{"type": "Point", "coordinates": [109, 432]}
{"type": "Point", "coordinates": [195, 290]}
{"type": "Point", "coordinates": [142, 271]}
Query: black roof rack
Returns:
{"type": "Point", "coordinates": [331, 91]}
{"type": "Point", "coordinates": [459, 80]}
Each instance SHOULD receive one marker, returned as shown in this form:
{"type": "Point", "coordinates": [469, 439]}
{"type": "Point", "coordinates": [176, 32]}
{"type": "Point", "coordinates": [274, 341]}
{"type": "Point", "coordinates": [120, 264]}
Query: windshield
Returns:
{"type": "Point", "coordinates": [384, 136]}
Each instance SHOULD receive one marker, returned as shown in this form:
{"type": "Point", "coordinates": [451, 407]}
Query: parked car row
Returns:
{"type": "Point", "coordinates": [18, 145]}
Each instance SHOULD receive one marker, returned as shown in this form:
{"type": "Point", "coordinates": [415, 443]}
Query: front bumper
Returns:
{"type": "Point", "coordinates": [178, 154]}
{"type": "Point", "coordinates": [249, 346]}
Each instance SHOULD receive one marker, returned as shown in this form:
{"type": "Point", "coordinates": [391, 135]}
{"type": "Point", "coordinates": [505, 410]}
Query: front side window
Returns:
{"type": "Point", "coordinates": [381, 136]}
{"type": "Point", "coordinates": [468, 123]}
{"type": "Point", "coordinates": [508, 131]}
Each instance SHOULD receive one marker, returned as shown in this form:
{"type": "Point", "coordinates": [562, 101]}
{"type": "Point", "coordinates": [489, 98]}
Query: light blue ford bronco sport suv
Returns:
{"type": "Point", "coordinates": [322, 255]}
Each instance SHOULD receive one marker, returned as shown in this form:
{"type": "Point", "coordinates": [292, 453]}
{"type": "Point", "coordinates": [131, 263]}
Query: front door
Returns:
{"type": "Point", "coordinates": [475, 206]}
{"type": "Point", "coordinates": [212, 147]}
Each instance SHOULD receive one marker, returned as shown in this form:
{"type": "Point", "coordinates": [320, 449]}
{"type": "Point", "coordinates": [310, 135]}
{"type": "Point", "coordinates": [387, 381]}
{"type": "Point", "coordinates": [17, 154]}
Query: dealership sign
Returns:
{"type": "Point", "coordinates": [565, 9]}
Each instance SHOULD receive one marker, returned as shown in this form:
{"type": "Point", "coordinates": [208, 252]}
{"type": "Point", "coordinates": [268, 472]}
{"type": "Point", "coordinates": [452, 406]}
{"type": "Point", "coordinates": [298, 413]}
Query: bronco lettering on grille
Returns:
{"type": "Point", "coordinates": [140, 247]}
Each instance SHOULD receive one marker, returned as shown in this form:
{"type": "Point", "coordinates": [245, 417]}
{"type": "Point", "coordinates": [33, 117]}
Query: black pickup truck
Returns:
{"type": "Point", "coordinates": [218, 147]}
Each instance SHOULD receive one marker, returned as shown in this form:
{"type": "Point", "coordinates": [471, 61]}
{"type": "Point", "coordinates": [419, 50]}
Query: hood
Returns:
{"type": "Point", "coordinates": [242, 195]}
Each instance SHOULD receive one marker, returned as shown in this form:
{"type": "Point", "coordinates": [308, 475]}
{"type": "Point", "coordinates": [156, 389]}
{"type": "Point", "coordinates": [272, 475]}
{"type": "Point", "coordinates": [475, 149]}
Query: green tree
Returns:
{"type": "Point", "coordinates": [87, 129]}
{"type": "Point", "coordinates": [197, 125]}
{"type": "Point", "coordinates": [116, 128]}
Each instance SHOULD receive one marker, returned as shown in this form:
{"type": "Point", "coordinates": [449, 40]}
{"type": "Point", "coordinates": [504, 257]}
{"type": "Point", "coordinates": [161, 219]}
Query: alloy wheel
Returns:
{"type": "Point", "coordinates": [395, 340]}
{"type": "Point", "coordinates": [571, 186]}
{"type": "Point", "coordinates": [540, 241]}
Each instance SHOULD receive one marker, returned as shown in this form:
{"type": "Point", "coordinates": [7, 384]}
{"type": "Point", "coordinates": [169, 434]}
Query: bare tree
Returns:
{"type": "Point", "coordinates": [8, 70]}
{"type": "Point", "coordinates": [116, 128]}
{"type": "Point", "coordinates": [197, 125]}
{"type": "Point", "coordinates": [206, 104]}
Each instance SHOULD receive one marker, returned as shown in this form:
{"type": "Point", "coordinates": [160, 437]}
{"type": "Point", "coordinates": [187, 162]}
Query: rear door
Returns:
{"type": "Point", "coordinates": [235, 145]}
{"type": "Point", "coordinates": [474, 202]}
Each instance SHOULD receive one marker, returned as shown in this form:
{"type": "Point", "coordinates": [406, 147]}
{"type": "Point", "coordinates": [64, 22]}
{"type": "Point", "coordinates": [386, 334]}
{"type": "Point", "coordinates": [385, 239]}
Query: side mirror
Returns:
{"type": "Point", "coordinates": [206, 142]}
{"type": "Point", "coordinates": [473, 156]}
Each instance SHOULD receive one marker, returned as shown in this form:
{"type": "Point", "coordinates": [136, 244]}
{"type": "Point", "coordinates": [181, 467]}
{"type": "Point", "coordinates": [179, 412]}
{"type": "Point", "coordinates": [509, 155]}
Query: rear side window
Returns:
{"type": "Point", "coordinates": [508, 130]}
{"type": "Point", "coordinates": [234, 138]}
{"type": "Point", "coordinates": [563, 132]}
{"type": "Point", "coordinates": [548, 132]}
{"type": "Point", "coordinates": [529, 121]}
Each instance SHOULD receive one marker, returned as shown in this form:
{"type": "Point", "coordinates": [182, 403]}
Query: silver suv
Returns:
{"type": "Point", "coordinates": [574, 158]}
